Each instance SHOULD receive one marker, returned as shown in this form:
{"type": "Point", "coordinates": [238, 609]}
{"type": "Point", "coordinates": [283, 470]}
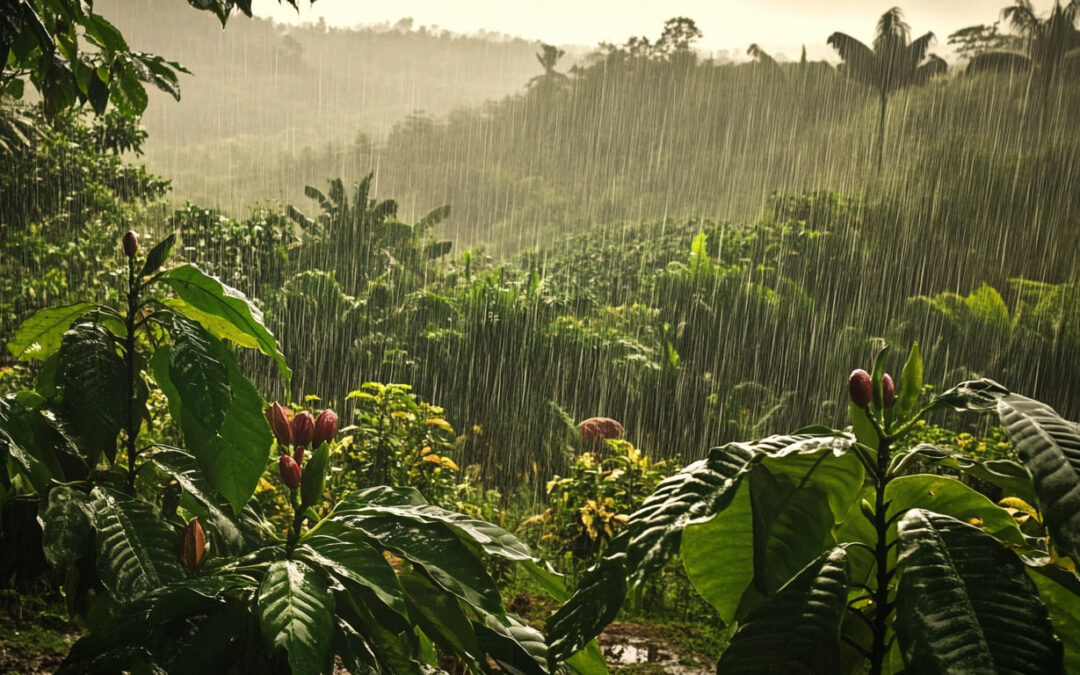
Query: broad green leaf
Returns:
{"type": "Point", "coordinates": [494, 540]}
{"type": "Point", "coordinates": [296, 614]}
{"type": "Point", "coordinates": [210, 296]}
{"type": "Point", "coordinates": [948, 496]}
{"type": "Point", "coordinates": [1049, 447]}
{"type": "Point", "coordinates": [595, 604]}
{"type": "Point", "coordinates": [911, 380]}
{"type": "Point", "coordinates": [234, 456]}
{"type": "Point", "coordinates": [39, 336]}
{"type": "Point", "coordinates": [67, 531]}
{"type": "Point", "coordinates": [441, 618]}
{"type": "Point", "coordinates": [589, 660]}
{"type": "Point", "coordinates": [354, 651]}
{"type": "Point", "coordinates": [654, 532]}
{"type": "Point", "coordinates": [516, 647]}
{"type": "Point", "coordinates": [788, 525]}
{"type": "Point", "coordinates": [798, 629]}
{"type": "Point", "coordinates": [1013, 479]}
{"type": "Point", "coordinates": [433, 546]}
{"type": "Point", "coordinates": [965, 604]}
{"type": "Point", "coordinates": [719, 555]}
{"type": "Point", "coordinates": [1064, 607]}
{"type": "Point", "coordinates": [792, 526]}
{"type": "Point", "coordinates": [93, 380]}
{"type": "Point", "coordinates": [158, 255]}
{"type": "Point", "coordinates": [200, 378]}
{"type": "Point", "coordinates": [224, 530]}
{"type": "Point", "coordinates": [136, 550]}
{"type": "Point", "coordinates": [19, 442]}
{"type": "Point", "coordinates": [352, 558]}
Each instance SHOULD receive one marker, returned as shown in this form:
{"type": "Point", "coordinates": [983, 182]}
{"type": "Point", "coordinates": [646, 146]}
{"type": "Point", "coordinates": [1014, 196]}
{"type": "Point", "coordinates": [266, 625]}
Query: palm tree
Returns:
{"type": "Point", "coordinates": [548, 56]}
{"type": "Point", "coordinates": [1049, 42]}
{"type": "Point", "coordinates": [895, 62]}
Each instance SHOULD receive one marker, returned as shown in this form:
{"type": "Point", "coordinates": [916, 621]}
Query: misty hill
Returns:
{"type": "Point", "coordinates": [299, 86]}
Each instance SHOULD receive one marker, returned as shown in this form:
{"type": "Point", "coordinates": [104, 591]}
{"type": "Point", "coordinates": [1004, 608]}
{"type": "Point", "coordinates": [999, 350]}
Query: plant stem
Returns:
{"type": "Point", "coordinates": [882, 607]}
{"type": "Point", "coordinates": [297, 522]}
{"type": "Point", "coordinates": [131, 424]}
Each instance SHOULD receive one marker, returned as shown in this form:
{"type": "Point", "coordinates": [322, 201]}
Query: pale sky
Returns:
{"type": "Point", "coordinates": [778, 25]}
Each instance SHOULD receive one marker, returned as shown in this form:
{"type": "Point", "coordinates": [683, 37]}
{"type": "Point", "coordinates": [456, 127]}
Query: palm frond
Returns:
{"type": "Point", "coordinates": [760, 55]}
{"type": "Point", "coordinates": [859, 60]}
{"type": "Point", "coordinates": [934, 66]}
{"type": "Point", "coordinates": [917, 48]}
{"type": "Point", "coordinates": [892, 31]}
{"type": "Point", "coordinates": [998, 62]}
{"type": "Point", "coordinates": [1022, 18]}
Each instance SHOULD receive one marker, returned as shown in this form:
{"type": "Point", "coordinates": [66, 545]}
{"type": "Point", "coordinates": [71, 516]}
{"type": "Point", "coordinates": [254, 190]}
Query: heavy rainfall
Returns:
{"type": "Point", "coordinates": [332, 342]}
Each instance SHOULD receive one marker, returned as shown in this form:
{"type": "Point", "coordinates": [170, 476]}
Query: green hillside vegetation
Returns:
{"type": "Point", "coordinates": [310, 391]}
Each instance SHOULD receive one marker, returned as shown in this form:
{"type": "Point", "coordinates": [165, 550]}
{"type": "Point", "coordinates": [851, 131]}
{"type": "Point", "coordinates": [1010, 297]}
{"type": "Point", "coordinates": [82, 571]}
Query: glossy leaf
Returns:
{"type": "Point", "coordinates": [136, 550]}
{"type": "Point", "coordinates": [798, 629]}
{"type": "Point", "coordinates": [1049, 447]}
{"type": "Point", "coordinates": [92, 377]}
{"type": "Point", "coordinates": [1063, 605]}
{"type": "Point", "coordinates": [438, 550]}
{"type": "Point", "coordinates": [792, 526]}
{"type": "Point", "coordinates": [39, 336]}
{"type": "Point", "coordinates": [234, 456]}
{"type": "Point", "coordinates": [492, 539]}
{"type": "Point", "coordinates": [948, 496]}
{"type": "Point", "coordinates": [911, 380]}
{"type": "Point", "coordinates": [296, 614]}
{"type": "Point", "coordinates": [198, 375]}
{"type": "Point", "coordinates": [210, 296]}
{"type": "Point", "coordinates": [158, 255]}
{"type": "Point", "coordinates": [350, 557]}
{"type": "Point", "coordinates": [965, 604]}
{"type": "Point", "coordinates": [654, 532]}
{"type": "Point", "coordinates": [225, 529]}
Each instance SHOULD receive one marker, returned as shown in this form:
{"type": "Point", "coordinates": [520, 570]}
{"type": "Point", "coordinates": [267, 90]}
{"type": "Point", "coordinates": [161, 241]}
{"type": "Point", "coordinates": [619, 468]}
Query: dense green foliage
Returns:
{"type": "Point", "coordinates": [683, 253]}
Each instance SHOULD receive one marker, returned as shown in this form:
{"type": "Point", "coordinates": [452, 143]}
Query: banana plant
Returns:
{"type": "Point", "coordinates": [826, 553]}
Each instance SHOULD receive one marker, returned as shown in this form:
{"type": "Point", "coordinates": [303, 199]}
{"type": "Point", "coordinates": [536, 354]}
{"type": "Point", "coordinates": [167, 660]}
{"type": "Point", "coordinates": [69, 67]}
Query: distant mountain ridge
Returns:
{"type": "Point", "coordinates": [309, 84]}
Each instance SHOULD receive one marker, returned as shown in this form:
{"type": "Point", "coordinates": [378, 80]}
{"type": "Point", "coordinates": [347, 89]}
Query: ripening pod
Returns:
{"type": "Point", "coordinates": [888, 391]}
{"type": "Point", "coordinates": [290, 472]}
{"type": "Point", "coordinates": [192, 544]}
{"type": "Point", "coordinates": [278, 416]}
{"type": "Point", "coordinates": [303, 426]}
{"type": "Point", "coordinates": [131, 244]}
{"type": "Point", "coordinates": [600, 427]}
{"type": "Point", "coordinates": [860, 388]}
{"type": "Point", "coordinates": [325, 428]}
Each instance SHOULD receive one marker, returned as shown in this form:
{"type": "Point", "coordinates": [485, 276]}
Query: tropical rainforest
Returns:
{"type": "Point", "coordinates": [394, 350]}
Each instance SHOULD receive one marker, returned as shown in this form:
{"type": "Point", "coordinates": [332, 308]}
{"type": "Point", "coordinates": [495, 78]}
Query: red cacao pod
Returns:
{"type": "Point", "coordinates": [888, 391]}
{"type": "Point", "coordinates": [131, 244]}
{"type": "Point", "coordinates": [600, 427]}
{"type": "Point", "coordinates": [860, 388]}
{"type": "Point", "coordinates": [278, 416]}
{"type": "Point", "coordinates": [303, 426]}
{"type": "Point", "coordinates": [325, 428]}
{"type": "Point", "coordinates": [192, 544]}
{"type": "Point", "coordinates": [290, 471]}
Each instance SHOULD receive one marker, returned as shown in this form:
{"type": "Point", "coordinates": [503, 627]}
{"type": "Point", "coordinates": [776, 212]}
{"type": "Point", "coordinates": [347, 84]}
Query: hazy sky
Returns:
{"type": "Point", "coordinates": [778, 25]}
